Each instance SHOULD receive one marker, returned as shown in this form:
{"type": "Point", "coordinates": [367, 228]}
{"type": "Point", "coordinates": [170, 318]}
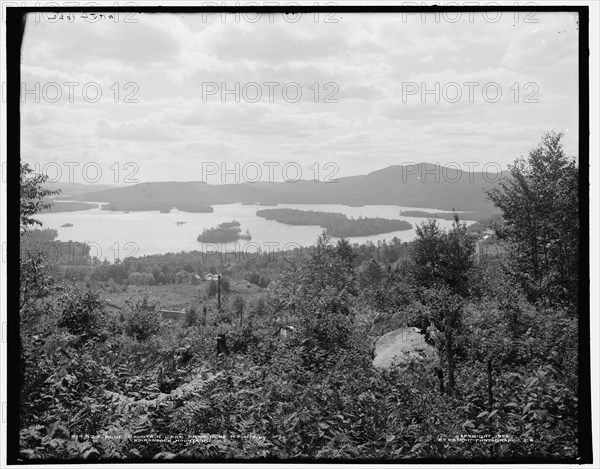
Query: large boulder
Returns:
{"type": "Point", "coordinates": [404, 344]}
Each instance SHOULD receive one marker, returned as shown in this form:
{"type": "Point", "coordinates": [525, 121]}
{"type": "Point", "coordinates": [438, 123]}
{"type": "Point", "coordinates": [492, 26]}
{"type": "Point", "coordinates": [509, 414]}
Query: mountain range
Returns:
{"type": "Point", "coordinates": [424, 185]}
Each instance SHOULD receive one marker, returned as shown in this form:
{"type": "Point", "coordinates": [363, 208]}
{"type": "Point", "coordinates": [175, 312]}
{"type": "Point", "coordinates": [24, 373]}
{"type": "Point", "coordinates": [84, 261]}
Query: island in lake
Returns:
{"type": "Point", "coordinates": [67, 225]}
{"type": "Point", "coordinates": [474, 216]}
{"type": "Point", "coordinates": [160, 205]}
{"type": "Point", "coordinates": [180, 223]}
{"type": "Point", "coordinates": [226, 232]}
{"type": "Point", "coordinates": [335, 224]}
{"type": "Point", "coordinates": [59, 206]}
{"type": "Point", "coordinates": [261, 204]}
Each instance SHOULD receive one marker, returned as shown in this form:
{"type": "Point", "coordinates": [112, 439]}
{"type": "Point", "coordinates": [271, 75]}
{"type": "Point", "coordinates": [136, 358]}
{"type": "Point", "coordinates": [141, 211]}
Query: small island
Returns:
{"type": "Point", "coordinates": [226, 232]}
{"type": "Point", "coordinates": [335, 224]}
{"type": "Point", "coordinates": [262, 204]}
{"type": "Point", "coordinates": [474, 216]}
{"type": "Point", "coordinates": [230, 224]}
{"type": "Point", "coordinates": [138, 206]}
{"type": "Point", "coordinates": [180, 223]}
{"type": "Point", "coordinates": [60, 206]}
{"type": "Point", "coordinates": [67, 225]}
{"type": "Point", "coordinates": [193, 207]}
{"type": "Point", "coordinates": [163, 206]}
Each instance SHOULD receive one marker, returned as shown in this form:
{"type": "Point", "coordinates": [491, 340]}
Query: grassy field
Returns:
{"type": "Point", "coordinates": [183, 295]}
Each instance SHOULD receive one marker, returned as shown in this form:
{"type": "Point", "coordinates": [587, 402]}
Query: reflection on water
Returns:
{"type": "Point", "coordinates": [121, 234]}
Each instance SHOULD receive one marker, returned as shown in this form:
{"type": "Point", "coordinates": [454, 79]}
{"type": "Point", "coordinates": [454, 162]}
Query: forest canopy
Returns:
{"type": "Point", "coordinates": [335, 224]}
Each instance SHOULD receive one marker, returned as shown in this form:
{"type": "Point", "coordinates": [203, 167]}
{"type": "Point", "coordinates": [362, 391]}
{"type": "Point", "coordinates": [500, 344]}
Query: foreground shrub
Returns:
{"type": "Point", "coordinates": [142, 320]}
{"type": "Point", "coordinates": [82, 314]}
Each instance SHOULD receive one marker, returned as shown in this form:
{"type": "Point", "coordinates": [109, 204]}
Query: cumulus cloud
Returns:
{"type": "Point", "coordinates": [355, 107]}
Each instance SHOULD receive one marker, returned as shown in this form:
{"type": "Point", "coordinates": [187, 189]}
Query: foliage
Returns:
{"type": "Point", "coordinates": [182, 277]}
{"type": "Point", "coordinates": [191, 317]}
{"type": "Point", "coordinates": [238, 308]}
{"type": "Point", "coordinates": [212, 287]}
{"type": "Point", "coordinates": [257, 279]}
{"type": "Point", "coordinates": [69, 206]}
{"type": "Point", "coordinates": [444, 215]}
{"type": "Point", "coordinates": [33, 196]}
{"type": "Point", "coordinates": [82, 314]}
{"type": "Point", "coordinates": [540, 206]}
{"type": "Point", "coordinates": [142, 278]}
{"type": "Point", "coordinates": [440, 256]}
{"type": "Point", "coordinates": [35, 281]}
{"type": "Point", "coordinates": [494, 223]}
{"type": "Point", "coordinates": [142, 320]}
{"type": "Point", "coordinates": [96, 386]}
{"type": "Point", "coordinates": [227, 232]}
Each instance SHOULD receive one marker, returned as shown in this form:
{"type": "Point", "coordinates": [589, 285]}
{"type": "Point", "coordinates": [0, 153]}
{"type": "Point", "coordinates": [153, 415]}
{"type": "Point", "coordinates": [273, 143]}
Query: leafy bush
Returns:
{"type": "Point", "coordinates": [191, 317]}
{"type": "Point", "coordinates": [212, 288]}
{"type": "Point", "coordinates": [82, 314]}
{"type": "Point", "coordinates": [142, 320]}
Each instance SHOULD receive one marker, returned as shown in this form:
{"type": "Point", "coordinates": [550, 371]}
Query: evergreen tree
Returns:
{"type": "Point", "coordinates": [540, 207]}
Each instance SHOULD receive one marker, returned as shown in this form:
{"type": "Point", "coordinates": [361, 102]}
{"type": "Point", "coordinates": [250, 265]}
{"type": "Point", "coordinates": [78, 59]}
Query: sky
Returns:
{"type": "Point", "coordinates": [232, 98]}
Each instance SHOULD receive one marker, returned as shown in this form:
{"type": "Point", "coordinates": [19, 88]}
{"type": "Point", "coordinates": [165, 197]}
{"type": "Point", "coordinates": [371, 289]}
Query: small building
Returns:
{"type": "Point", "coordinates": [195, 279]}
{"type": "Point", "coordinates": [211, 277]}
{"type": "Point", "coordinates": [487, 246]}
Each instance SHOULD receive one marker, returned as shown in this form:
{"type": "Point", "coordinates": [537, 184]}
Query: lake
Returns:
{"type": "Point", "coordinates": [120, 234]}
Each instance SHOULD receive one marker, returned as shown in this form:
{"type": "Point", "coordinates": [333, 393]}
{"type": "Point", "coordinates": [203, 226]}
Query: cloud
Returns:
{"type": "Point", "coordinates": [152, 40]}
{"type": "Point", "coordinates": [148, 129]}
{"type": "Point", "coordinates": [362, 62]}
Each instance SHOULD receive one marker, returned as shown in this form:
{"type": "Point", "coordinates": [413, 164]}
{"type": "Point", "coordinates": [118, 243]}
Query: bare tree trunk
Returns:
{"type": "Point", "coordinates": [490, 391]}
{"type": "Point", "coordinates": [219, 292]}
{"type": "Point", "coordinates": [449, 356]}
{"type": "Point", "coordinates": [440, 375]}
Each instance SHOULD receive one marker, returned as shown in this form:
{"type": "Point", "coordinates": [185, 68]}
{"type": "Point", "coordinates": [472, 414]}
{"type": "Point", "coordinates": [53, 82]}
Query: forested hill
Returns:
{"type": "Point", "coordinates": [74, 189]}
{"type": "Point", "coordinates": [424, 185]}
{"type": "Point", "coordinates": [335, 224]}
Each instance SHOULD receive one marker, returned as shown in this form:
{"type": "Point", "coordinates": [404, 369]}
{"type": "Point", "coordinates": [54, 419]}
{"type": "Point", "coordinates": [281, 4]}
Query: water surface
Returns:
{"type": "Point", "coordinates": [121, 234]}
